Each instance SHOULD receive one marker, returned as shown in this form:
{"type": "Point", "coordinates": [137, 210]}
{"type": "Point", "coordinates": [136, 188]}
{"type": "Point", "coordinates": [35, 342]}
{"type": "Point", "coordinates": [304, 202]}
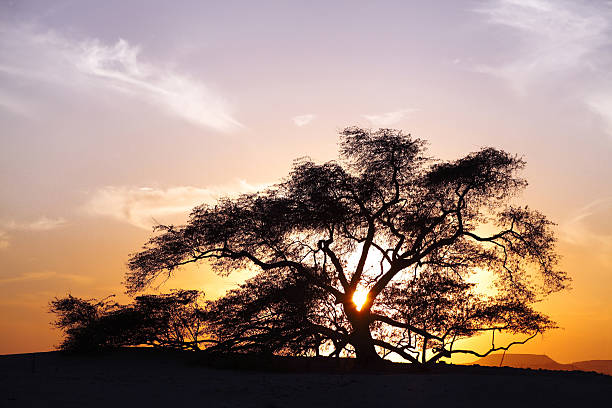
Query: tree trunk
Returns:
{"type": "Point", "coordinates": [361, 339]}
{"type": "Point", "coordinates": [364, 348]}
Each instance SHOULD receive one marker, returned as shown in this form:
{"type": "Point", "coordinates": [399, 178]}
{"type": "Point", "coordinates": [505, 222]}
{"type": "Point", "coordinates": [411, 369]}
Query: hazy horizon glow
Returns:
{"type": "Point", "coordinates": [119, 115]}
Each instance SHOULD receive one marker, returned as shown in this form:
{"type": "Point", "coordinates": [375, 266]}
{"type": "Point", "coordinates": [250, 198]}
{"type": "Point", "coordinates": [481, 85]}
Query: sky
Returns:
{"type": "Point", "coordinates": [117, 115]}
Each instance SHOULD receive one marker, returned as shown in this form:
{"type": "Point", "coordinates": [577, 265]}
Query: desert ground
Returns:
{"type": "Point", "coordinates": [144, 378]}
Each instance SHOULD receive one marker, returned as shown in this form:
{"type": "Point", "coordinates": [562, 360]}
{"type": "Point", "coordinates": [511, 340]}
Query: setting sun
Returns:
{"type": "Point", "coordinates": [359, 298]}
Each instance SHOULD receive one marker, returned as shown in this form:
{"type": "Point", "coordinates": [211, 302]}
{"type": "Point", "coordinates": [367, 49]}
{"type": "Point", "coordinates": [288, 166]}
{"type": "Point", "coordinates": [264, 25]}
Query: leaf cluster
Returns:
{"type": "Point", "coordinates": [171, 320]}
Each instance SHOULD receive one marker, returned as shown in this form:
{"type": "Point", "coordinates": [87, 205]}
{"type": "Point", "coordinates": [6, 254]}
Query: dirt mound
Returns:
{"type": "Point", "coordinates": [149, 378]}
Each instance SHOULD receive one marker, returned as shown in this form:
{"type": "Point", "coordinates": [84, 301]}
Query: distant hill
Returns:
{"type": "Point", "coordinates": [599, 366]}
{"type": "Point", "coordinates": [533, 361]}
{"type": "Point", "coordinates": [542, 361]}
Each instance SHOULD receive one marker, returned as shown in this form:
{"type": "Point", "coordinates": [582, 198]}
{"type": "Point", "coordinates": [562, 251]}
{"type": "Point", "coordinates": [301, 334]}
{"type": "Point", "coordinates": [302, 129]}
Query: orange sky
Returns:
{"type": "Point", "coordinates": [107, 125]}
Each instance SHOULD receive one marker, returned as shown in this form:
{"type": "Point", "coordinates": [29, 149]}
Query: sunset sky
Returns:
{"type": "Point", "coordinates": [115, 115]}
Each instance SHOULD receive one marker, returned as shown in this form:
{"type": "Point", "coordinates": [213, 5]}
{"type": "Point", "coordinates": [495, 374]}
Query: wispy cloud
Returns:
{"type": "Point", "coordinates": [38, 225]}
{"type": "Point", "coordinates": [591, 226]}
{"type": "Point", "coordinates": [13, 105]}
{"type": "Point", "coordinates": [4, 240]}
{"type": "Point", "coordinates": [554, 36]}
{"type": "Point", "coordinates": [37, 276]}
{"type": "Point", "coordinates": [303, 120]}
{"type": "Point", "coordinates": [601, 104]}
{"type": "Point", "coordinates": [388, 118]}
{"type": "Point", "coordinates": [143, 207]}
{"type": "Point", "coordinates": [556, 40]}
{"type": "Point", "coordinates": [89, 63]}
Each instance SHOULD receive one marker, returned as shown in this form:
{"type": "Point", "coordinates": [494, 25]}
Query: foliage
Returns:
{"type": "Point", "coordinates": [411, 231]}
{"type": "Point", "coordinates": [171, 320]}
{"type": "Point", "coordinates": [271, 313]}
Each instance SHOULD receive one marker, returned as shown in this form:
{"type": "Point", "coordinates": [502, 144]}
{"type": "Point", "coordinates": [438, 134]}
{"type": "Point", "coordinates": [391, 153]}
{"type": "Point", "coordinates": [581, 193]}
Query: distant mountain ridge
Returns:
{"type": "Point", "coordinates": [542, 361]}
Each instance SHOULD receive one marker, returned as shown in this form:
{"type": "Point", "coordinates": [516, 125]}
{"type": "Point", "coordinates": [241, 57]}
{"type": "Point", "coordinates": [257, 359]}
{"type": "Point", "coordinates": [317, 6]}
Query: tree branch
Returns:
{"type": "Point", "coordinates": [395, 349]}
{"type": "Point", "coordinates": [392, 322]}
{"type": "Point", "coordinates": [493, 349]}
{"type": "Point", "coordinates": [324, 245]}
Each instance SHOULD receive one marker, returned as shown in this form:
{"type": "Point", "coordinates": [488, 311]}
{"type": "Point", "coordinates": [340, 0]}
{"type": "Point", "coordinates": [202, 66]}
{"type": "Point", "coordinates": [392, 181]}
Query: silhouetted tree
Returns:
{"type": "Point", "coordinates": [411, 232]}
{"type": "Point", "coordinates": [172, 320]}
{"type": "Point", "coordinates": [277, 312]}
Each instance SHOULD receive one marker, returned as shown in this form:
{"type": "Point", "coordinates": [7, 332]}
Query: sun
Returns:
{"type": "Point", "coordinates": [359, 298]}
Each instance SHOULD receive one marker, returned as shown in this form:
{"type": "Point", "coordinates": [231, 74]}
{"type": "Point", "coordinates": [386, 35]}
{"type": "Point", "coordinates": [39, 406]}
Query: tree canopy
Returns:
{"type": "Point", "coordinates": [409, 233]}
{"type": "Point", "coordinates": [172, 320]}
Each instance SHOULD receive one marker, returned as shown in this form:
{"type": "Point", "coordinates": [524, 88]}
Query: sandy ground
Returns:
{"type": "Point", "coordinates": [154, 380]}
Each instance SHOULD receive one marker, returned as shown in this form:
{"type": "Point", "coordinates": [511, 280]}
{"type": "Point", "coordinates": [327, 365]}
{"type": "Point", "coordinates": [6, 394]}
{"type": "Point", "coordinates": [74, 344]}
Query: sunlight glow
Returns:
{"type": "Point", "coordinates": [359, 298]}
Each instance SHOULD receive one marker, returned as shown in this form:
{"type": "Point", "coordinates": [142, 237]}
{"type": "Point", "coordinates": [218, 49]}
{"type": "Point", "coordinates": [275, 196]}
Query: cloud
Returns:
{"type": "Point", "coordinates": [554, 36]}
{"type": "Point", "coordinates": [303, 120]}
{"type": "Point", "coordinates": [41, 224]}
{"type": "Point", "coordinates": [388, 118]}
{"type": "Point", "coordinates": [177, 93]}
{"type": "Point", "coordinates": [557, 40]}
{"type": "Point", "coordinates": [591, 225]}
{"type": "Point", "coordinates": [36, 276]}
{"type": "Point", "coordinates": [601, 104]}
{"type": "Point", "coordinates": [91, 64]}
{"type": "Point", "coordinates": [12, 105]}
{"type": "Point", "coordinates": [144, 207]}
{"type": "Point", "coordinates": [4, 240]}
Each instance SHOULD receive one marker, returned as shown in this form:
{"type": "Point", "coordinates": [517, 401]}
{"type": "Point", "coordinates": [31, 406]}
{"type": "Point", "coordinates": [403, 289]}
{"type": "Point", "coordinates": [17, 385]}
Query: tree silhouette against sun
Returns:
{"type": "Point", "coordinates": [373, 254]}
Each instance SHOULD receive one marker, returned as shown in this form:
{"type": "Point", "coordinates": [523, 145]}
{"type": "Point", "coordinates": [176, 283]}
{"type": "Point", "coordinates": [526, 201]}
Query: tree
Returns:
{"type": "Point", "coordinates": [406, 233]}
{"type": "Point", "coordinates": [172, 320]}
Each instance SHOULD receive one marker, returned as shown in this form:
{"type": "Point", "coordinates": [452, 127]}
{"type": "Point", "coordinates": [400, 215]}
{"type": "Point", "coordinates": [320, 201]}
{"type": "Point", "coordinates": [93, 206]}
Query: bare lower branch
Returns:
{"type": "Point", "coordinates": [493, 349]}
{"type": "Point", "coordinates": [401, 352]}
{"type": "Point", "coordinates": [388, 320]}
